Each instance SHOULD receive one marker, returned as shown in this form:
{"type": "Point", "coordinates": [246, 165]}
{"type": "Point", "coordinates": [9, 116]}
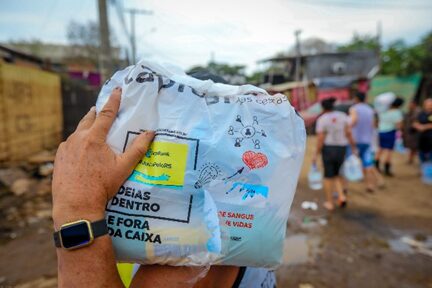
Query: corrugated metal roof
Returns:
{"type": "Point", "coordinates": [286, 86]}
{"type": "Point", "coordinates": [357, 64]}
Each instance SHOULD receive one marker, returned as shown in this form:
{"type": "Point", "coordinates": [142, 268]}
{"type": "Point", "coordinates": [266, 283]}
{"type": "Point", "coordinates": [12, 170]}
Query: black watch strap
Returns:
{"type": "Point", "coordinates": [99, 228]}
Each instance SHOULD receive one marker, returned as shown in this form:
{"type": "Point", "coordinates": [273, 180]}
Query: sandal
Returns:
{"type": "Point", "coordinates": [342, 203]}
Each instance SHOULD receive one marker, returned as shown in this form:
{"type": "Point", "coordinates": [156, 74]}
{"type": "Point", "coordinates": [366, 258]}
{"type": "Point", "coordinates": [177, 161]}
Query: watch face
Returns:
{"type": "Point", "coordinates": [75, 235]}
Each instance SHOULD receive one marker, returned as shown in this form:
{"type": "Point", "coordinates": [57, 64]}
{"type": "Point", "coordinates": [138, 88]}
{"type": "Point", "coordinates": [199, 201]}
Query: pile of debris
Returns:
{"type": "Point", "coordinates": [25, 193]}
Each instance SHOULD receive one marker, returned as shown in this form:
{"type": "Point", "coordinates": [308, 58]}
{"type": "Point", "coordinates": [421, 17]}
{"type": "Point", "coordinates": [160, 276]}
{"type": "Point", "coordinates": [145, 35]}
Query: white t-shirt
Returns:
{"type": "Point", "coordinates": [389, 119]}
{"type": "Point", "coordinates": [333, 124]}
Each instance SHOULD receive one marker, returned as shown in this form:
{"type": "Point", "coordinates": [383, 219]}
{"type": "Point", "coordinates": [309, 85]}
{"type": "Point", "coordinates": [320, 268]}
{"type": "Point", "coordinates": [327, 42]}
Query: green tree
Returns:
{"type": "Point", "coordinates": [234, 74]}
{"type": "Point", "coordinates": [225, 69]}
{"type": "Point", "coordinates": [360, 42]}
{"type": "Point", "coordinates": [255, 78]}
{"type": "Point", "coordinates": [401, 59]}
{"type": "Point", "coordinates": [196, 68]}
{"type": "Point", "coordinates": [425, 52]}
{"type": "Point", "coordinates": [85, 37]}
{"type": "Point", "coordinates": [220, 69]}
{"type": "Point", "coordinates": [33, 47]}
{"type": "Point", "coordinates": [397, 58]}
{"type": "Point", "coordinates": [393, 58]}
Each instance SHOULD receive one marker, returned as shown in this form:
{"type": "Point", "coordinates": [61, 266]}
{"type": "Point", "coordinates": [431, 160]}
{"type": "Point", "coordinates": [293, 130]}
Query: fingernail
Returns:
{"type": "Point", "coordinates": [93, 108]}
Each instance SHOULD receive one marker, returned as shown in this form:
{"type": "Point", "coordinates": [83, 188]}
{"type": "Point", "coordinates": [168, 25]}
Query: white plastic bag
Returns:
{"type": "Point", "coordinates": [383, 101]}
{"type": "Point", "coordinates": [352, 168]}
{"type": "Point", "coordinates": [315, 178]}
{"type": "Point", "coordinates": [216, 185]}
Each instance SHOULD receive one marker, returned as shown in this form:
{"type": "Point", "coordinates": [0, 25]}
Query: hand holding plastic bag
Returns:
{"type": "Point", "coordinates": [352, 168]}
{"type": "Point", "coordinates": [216, 185]}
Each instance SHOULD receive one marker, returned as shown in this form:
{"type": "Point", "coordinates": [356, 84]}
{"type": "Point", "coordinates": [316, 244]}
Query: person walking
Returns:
{"type": "Point", "coordinates": [334, 134]}
{"type": "Point", "coordinates": [362, 125]}
{"type": "Point", "coordinates": [389, 122]}
{"type": "Point", "coordinates": [410, 134]}
{"type": "Point", "coordinates": [424, 126]}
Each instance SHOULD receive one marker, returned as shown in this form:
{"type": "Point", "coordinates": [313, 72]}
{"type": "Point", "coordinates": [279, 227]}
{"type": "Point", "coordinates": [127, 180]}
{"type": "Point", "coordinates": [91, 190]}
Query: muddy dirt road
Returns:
{"type": "Point", "coordinates": [364, 245]}
{"type": "Point", "coordinates": [379, 240]}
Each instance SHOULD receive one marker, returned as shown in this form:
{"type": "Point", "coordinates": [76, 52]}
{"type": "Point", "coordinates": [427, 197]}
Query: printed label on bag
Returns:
{"type": "Point", "coordinates": [164, 164]}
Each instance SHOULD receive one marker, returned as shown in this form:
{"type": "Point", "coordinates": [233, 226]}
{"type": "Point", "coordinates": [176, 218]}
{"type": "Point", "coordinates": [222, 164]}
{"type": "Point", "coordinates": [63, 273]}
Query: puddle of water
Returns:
{"type": "Point", "coordinates": [310, 222]}
{"type": "Point", "coordinates": [299, 249]}
{"type": "Point", "coordinates": [398, 246]}
{"type": "Point", "coordinates": [410, 245]}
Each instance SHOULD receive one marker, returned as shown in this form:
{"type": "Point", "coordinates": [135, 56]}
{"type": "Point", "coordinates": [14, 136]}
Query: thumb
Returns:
{"type": "Point", "coordinates": [137, 150]}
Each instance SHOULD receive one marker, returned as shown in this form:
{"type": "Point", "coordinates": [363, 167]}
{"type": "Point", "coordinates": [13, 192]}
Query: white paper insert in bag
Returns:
{"type": "Point", "coordinates": [216, 185]}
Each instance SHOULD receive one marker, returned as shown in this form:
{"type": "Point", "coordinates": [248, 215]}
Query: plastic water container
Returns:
{"type": "Point", "coordinates": [399, 147]}
{"type": "Point", "coordinates": [426, 169]}
{"type": "Point", "coordinates": [352, 168]}
{"type": "Point", "coordinates": [315, 178]}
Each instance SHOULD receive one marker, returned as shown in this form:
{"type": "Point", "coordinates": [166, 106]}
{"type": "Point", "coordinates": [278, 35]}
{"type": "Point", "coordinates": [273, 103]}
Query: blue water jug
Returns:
{"type": "Point", "coordinates": [399, 147]}
{"type": "Point", "coordinates": [315, 178]}
{"type": "Point", "coordinates": [426, 169]}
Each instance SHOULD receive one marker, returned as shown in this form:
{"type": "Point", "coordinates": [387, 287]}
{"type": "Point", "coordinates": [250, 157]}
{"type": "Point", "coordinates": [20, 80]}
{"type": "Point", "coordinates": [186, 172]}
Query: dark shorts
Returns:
{"type": "Point", "coordinates": [333, 158]}
{"type": "Point", "coordinates": [387, 139]}
{"type": "Point", "coordinates": [425, 143]}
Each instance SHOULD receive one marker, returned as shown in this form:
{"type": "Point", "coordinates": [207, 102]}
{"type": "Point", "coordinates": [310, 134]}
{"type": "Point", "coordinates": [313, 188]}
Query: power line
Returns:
{"type": "Point", "coordinates": [132, 13]}
{"type": "Point", "coordinates": [129, 34]}
{"type": "Point", "coordinates": [119, 10]}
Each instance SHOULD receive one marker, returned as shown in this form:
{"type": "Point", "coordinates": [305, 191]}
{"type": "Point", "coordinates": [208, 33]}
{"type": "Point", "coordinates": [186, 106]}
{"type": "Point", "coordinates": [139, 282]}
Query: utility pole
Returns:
{"type": "Point", "coordinates": [132, 13]}
{"type": "Point", "coordinates": [105, 60]}
{"type": "Point", "coordinates": [298, 56]}
{"type": "Point", "coordinates": [300, 95]}
{"type": "Point", "coordinates": [379, 35]}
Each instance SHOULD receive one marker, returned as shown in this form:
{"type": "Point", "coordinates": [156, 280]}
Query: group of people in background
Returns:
{"type": "Point", "coordinates": [417, 131]}
{"type": "Point", "coordinates": [372, 137]}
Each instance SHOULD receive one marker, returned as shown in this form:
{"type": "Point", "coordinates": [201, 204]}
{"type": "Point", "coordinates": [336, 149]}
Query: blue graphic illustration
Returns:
{"type": "Point", "coordinates": [250, 190]}
{"type": "Point", "coordinates": [141, 177]}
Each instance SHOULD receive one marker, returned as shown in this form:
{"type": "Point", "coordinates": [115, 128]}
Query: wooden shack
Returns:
{"type": "Point", "coordinates": [30, 111]}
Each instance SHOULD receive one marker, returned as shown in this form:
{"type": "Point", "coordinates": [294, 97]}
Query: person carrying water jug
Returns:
{"type": "Point", "coordinates": [334, 134]}
{"type": "Point", "coordinates": [363, 125]}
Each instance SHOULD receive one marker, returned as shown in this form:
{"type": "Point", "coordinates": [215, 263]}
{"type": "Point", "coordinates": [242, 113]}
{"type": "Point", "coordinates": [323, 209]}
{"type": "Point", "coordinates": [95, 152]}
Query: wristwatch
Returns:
{"type": "Point", "coordinates": [80, 233]}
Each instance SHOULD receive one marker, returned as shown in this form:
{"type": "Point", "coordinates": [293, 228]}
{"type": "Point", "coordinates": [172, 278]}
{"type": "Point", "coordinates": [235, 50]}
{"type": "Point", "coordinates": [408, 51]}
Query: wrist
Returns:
{"type": "Point", "coordinates": [74, 202]}
{"type": "Point", "coordinates": [69, 212]}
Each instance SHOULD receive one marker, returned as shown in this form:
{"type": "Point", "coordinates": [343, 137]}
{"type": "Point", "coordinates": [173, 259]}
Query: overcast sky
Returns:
{"type": "Point", "coordinates": [187, 32]}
